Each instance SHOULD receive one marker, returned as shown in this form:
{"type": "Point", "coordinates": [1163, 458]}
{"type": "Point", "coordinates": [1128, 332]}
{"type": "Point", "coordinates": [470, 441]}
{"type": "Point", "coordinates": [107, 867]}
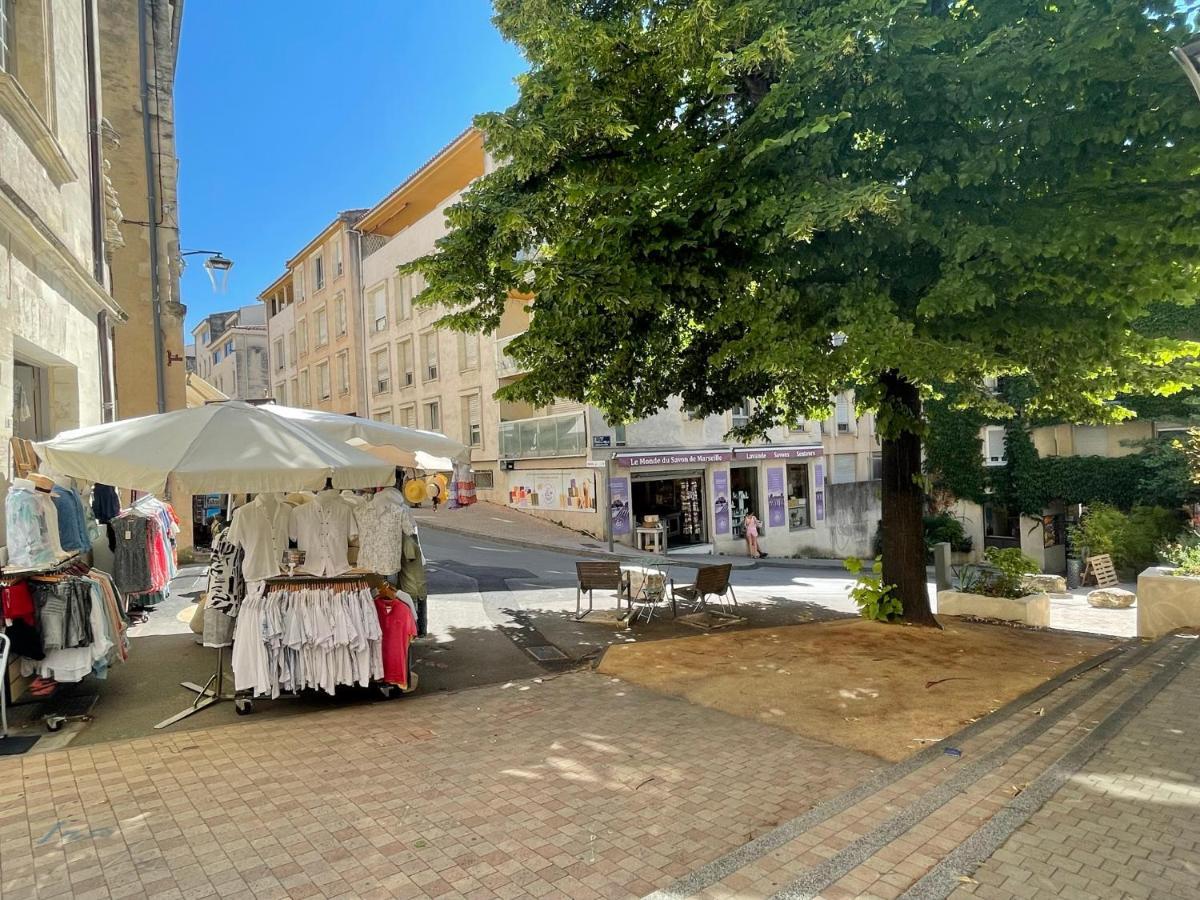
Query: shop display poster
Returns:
{"type": "Point", "coordinates": [820, 483]}
{"type": "Point", "coordinates": [721, 501]}
{"type": "Point", "coordinates": [776, 498]}
{"type": "Point", "coordinates": [618, 489]}
{"type": "Point", "coordinates": [563, 490]}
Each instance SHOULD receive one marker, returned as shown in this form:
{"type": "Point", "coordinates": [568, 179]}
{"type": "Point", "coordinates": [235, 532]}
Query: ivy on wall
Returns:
{"type": "Point", "coordinates": [1156, 476]}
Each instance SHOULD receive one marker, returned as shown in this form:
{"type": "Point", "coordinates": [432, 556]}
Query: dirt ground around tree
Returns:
{"type": "Point", "coordinates": [880, 689]}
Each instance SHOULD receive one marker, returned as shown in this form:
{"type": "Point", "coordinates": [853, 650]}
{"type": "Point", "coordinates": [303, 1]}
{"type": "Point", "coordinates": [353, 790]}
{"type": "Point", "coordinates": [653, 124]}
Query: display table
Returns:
{"type": "Point", "coordinates": [652, 534]}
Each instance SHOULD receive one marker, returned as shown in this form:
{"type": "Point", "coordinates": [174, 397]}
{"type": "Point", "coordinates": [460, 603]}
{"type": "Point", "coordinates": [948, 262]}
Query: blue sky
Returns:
{"type": "Point", "coordinates": [287, 113]}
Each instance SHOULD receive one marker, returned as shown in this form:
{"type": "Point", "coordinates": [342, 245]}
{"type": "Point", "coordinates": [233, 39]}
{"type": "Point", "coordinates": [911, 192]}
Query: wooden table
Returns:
{"type": "Point", "coordinates": [656, 533]}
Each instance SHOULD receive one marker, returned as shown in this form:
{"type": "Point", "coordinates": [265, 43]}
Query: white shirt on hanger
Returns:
{"type": "Point", "coordinates": [260, 528]}
{"type": "Point", "coordinates": [322, 528]}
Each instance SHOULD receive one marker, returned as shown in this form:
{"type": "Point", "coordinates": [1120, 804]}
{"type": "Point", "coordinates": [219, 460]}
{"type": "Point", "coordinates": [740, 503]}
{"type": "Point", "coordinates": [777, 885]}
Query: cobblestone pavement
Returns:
{"type": "Point", "coordinates": [1089, 787]}
{"type": "Point", "coordinates": [576, 786]}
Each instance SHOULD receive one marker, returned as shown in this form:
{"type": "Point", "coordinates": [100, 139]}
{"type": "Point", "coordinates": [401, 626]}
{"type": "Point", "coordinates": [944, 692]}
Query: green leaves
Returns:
{"type": "Point", "coordinates": [716, 187]}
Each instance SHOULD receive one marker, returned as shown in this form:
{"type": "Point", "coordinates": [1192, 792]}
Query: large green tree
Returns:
{"type": "Point", "coordinates": [778, 199]}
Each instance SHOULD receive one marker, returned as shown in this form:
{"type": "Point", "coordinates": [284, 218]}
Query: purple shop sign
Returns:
{"type": "Point", "coordinates": [820, 488]}
{"type": "Point", "coordinates": [618, 505]}
{"type": "Point", "coordinates": [778, 452]}
{"type": "Point", "coordinates": [672, 458]}
{"type": "Point", "coordinates": [776, 498]}
{"type": "Point", "coordinates": [721, 500]}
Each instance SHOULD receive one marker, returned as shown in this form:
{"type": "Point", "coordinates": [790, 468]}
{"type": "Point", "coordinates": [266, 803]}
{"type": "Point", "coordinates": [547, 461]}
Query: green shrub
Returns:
{"type": "Point", "coordinates": [1183, 553]}
{"type": "Point", "coordinates": [1001, 576]}
{"type": "Point", "coordinates": [1131, 540]}
{"type": "Point", "coordinates": [944, 528]}
{"type": "Point", "coordinates": [874, 598]}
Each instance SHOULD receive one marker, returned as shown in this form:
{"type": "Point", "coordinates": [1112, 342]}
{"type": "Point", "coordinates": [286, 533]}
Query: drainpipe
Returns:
{"type": "Point", "coordinates": [96, 173]}
{"type": "Point", "coordinates": [356, 277]}
{"type": "Point", "coordinates": [152, 208]}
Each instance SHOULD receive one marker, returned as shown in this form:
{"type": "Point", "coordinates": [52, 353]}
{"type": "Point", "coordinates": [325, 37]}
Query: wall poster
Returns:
{"type": "Point", "coordinates": [618, 489]}
{"type": "Point", "coordinates": [561, 490]}
{"type": "Point", "coordinates": [776, 498]}
{"type": "Point", "coordinates": [721, 501]}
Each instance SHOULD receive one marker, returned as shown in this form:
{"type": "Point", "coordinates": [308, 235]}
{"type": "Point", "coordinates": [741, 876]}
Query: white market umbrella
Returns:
{"type": "Point", "coordinates": [430, 446]}
{"type": "Point", "coordinates": [230, 447]}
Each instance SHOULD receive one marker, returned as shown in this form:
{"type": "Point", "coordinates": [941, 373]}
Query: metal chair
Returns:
{"type": "Point", "coordinates": [711, 581]}
{"type": "Point", "coordinates": [593, 575]}
{"type": "Point", "coordinates": [651, 590]}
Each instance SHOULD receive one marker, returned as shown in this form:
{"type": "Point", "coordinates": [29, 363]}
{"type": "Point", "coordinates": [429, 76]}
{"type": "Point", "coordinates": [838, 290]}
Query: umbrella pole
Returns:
{"type": "Point", "coordinates": [212, 692]}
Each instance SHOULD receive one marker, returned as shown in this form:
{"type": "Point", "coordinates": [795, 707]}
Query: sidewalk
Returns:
{"type": "Point", "coordinates": [501, 523]}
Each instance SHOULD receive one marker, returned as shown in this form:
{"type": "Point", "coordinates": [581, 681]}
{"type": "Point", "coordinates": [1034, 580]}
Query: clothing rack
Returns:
{"type": "Point", "coordinates": [11, 576]}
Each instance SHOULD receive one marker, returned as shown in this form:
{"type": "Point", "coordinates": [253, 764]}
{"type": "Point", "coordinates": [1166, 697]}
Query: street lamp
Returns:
{"type": "Point", "coordinates": [217, 266]}
{"type": "Point", "coordinates": [1188, 57]}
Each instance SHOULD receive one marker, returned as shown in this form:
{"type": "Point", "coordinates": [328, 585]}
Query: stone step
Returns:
{"type": "Point", "coordinates": [890, 831]}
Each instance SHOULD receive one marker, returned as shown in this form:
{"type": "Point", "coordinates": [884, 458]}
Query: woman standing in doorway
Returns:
{"type": "Point", "coordinates": [750, 525]}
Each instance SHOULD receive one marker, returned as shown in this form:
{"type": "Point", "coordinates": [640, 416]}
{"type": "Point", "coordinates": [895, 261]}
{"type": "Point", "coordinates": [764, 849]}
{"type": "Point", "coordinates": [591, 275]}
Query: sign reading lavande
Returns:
{"type": "Point", "coordinates": [779, 452]}
{"type": "Point", "coordinates": [673, 458]}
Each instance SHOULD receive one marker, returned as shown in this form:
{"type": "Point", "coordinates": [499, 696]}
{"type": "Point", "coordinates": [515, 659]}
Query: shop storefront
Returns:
{"type": "Point", "coordinates": [702, 497]}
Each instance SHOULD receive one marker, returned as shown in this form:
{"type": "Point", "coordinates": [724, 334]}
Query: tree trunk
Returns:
{"type": "Point", "coordinates": [903, 530]}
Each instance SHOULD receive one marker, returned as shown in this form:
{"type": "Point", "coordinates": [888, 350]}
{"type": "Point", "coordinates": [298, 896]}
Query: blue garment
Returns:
{"type": "Point", "coordinates": [72, 527]}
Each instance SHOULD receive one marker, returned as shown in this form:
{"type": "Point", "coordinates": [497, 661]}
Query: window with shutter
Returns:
{"type": "Point", "coordinates": [1090, 440]}
{"type": "Point", "coordinates": [429, 342]}
{"type": "Point", "coordinates": [323, 381]}
{"type": "Point", "coordinates": [993, 446]}
{"type": "Point", "coordinates": [383, 375]}
{"type": "Point", "coordinates": [845, 468]}
{"type": "Point", "coordinates": [845, 413]}
{"type": "Point", "coordinates": [343, 372]}
{"type": "Point", "coordinates": [472, 425]}
{"type": "Point", "coordinates": [339, 314]}
{"type": "Point", "coordinates": [404, 364]}
{"type": "Point", "coordinates": [379, 306]}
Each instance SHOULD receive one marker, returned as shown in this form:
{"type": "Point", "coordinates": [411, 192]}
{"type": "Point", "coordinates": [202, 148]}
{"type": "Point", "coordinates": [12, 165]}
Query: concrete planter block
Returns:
{"type": "Point", "coordinates": [1044, 584]}
{"type": "Point", "coordinates": [1166, 602]}
{"type": "Point", "coordinates": [1032, 609]}
{"type": "Point", "coordinates": [1111, 598]}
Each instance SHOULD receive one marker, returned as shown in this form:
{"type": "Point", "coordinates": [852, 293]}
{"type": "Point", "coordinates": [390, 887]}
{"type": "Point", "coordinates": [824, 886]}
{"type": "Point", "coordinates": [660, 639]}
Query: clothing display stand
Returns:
{"type": "Point", "coordinates": [213, 692]}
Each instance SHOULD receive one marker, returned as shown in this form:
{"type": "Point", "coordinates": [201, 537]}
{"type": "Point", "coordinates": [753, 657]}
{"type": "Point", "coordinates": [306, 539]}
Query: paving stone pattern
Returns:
{"type": "Point", "coordinates": [576, 787]}
{"type": "Point", "coordinates": [927, 825]}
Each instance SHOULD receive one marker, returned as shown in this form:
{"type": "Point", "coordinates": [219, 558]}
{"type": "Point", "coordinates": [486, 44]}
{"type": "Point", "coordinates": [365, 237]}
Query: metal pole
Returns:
{"type": "Point", "coordinates": [608, 523]}
{"type": "Point", "coordinates": [152, 207]}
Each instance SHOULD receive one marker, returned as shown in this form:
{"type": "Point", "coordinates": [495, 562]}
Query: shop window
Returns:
{"type": "Point", "coordinates": [797, 497]}
{"type": "Point", "coordinates": [677, 501]}
{"type": "Point", "coordinates": [743, 496]}
{"type": "Point", "coordinates": [845, 468]}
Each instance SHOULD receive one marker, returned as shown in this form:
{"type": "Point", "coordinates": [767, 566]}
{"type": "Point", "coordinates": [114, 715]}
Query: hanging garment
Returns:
{"type": "Point", "coordinates": [226, 586]}
{"type": "Point", "coordinates": [28, 531]}
{"type": "Point", "coordinates": [16, 602]}
{"type": "Point", "coordinates": [322, 528]}
{"type": "Point", "coordinates": [398, 627]}
{"type": "Point", "coordinates": [382, 525]}
{"type": "Point", "coordinates": [260, 528]}
{"type": "Point", "coordinates": [131, 559]}
{"type": "Point", "coordinates": [291, 637]}
{"type": "Point", "coordinates": [105, 503]}
{"type": "Point", "coordinates": [72, 664]}
{"type": "Point", "coordinates": [412, 572]}
{"type": "Point", "coordinates": [72, 526]}
{"type": "Point", "coordinates": [64, 613]}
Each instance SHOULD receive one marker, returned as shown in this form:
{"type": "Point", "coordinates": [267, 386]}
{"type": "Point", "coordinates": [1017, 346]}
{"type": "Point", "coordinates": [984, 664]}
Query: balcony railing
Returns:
{"type": "Point", "coordinates": [564, 435]}
{"type": "Point", "coordinates": [506, 366]}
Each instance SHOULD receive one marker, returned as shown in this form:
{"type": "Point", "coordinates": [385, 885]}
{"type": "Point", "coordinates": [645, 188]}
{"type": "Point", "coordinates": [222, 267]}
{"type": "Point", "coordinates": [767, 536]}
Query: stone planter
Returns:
{"type": "Point", "coordinates": [1032, 609]}
{"type": "Point", "coordinates": [1166, 602]}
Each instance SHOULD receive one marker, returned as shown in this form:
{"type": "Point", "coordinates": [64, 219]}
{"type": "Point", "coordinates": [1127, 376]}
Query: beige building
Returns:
{"type": "Point", "coordinates": [231, 352]}
{"type": "Point", "coordinates": [417, 374]}
{"type": "Point", "coordinates": [56, 312]}
{"type": "Point", "coordinates": [138, 49]}
{"type": "Point", "coordinates": [315, 328]}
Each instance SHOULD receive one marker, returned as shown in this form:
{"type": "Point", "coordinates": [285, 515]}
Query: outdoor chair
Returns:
{"type": "Point", "coordinates": [605, 576]}
{"type": "Point", "coordinates": [711, 581]}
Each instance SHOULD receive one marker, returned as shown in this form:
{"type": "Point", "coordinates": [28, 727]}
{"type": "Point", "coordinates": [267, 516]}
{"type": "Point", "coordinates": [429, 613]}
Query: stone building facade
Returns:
{"type": "Point", "coordinates": [138, 50]}
{"type": "Point", "coordinates": [56, 311]}
{"type": "Point", "coordinates": [231, 352]}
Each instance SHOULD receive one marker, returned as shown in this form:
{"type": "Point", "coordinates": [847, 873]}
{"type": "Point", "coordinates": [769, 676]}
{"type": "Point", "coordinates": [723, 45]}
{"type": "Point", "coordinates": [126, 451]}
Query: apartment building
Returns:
{"type": "Point", "coordinates": [419, 375]}
{"type": "Point", "coordinates": [315, 328]}
{"type": "Point", "coordinates": [231, 352]}
{"type": "Point", "coordinates": [56, 309]}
